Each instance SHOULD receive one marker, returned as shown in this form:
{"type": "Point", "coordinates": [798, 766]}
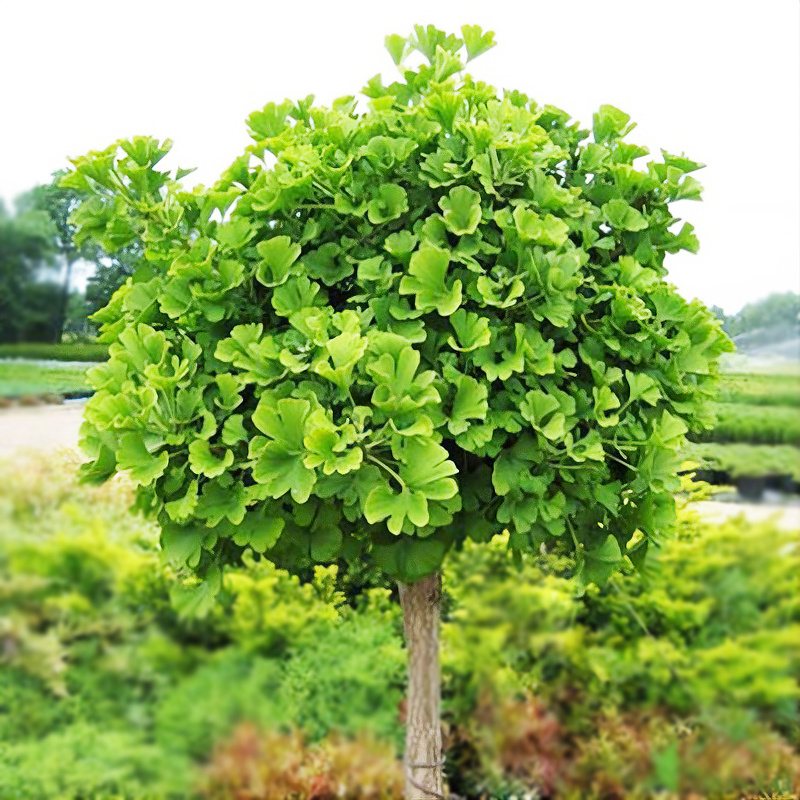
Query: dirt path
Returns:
{"type": "Point", "coordinates": [39, 427]}
{"type": "Point", "coordinates": [787, 516]}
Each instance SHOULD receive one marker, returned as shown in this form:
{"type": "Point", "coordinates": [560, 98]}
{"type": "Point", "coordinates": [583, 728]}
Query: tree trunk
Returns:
{"type": "Point", "coordinates": [61, 320]}
{"type": "Point", "coordinates": [421, 602]}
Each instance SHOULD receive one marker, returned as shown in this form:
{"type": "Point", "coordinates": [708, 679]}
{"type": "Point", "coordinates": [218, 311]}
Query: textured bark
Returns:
{"type": "Point", "coordinates": [421, 603]}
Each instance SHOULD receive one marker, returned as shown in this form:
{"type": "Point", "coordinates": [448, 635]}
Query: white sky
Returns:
{"type": "Point", "coordinates": [719, 81]}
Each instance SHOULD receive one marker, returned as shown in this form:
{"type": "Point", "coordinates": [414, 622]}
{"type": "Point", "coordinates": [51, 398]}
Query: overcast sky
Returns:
{"type": "Point", "coordinates": [718, 81]}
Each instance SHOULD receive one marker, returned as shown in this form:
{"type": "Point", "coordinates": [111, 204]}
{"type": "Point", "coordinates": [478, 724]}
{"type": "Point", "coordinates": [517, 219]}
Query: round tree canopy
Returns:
{"type": "Point", "coordinates": [434, 313]}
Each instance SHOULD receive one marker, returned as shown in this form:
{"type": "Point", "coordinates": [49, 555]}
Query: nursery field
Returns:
{"type": "Point", "coordinates": [755, 443]}
{"type": "Point", "coordinates": [687, 689]}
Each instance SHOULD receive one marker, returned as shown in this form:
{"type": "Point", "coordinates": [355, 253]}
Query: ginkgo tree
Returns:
{"type": "Point", "coordinates": [432, 314]}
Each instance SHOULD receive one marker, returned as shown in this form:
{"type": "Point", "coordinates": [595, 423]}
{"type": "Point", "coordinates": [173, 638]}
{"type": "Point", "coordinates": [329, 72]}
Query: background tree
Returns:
{"type": "Point", "coordinates": [26, 255]}
{"type": "Point", "coordinates": [380, 334]}
{"type": "Point", "coordinates": [780, 309]}
{"type": "Point", "coordinates": [58, 203]}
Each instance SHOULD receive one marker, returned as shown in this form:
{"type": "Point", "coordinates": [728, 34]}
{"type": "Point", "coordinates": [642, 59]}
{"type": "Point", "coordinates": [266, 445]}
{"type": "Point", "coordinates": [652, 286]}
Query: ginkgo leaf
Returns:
{"type": "Point", "coordinates": [601, 561]}
{"type": "Point", "coordinates": [218, 502]}
{"type": "Point", "coordinates": [604, 401]}
{"type": "Point", "coordinates": [277, 256]}
{"type": "Point", "coordinates": [461, 210]}
{"type": "Point", "coordinates": [383, 502]}
{"type": "Point", "coordinates": [623, 216]}
{"type": "Point", "coordinates": [643, 387]}
{"type": "Point", "coordinates": [472, 331]}
{"type": "Point", "coordinates": [531, 227]}
{"type": "Point", "coordinates": [143, 466]}
{"type": "Point", "coordinates": [296, 294]}
{"type": "Point", "coordinates": [208, 461]}
{"type": "Point", "coordinates": [390, 202]}
{"type": "Point", "coordinates": [398, 388]}
{"type": "Point", "coordinates": [426, 281]}
{"type": "Point", "coordinates": [258, 530]}
{"type": "Point", "coordinates": [344, 352]}
{"type": "Point", "coordinates": [326, 264]}
{"type": "Point", "coordinates": [182, 508]}
{"type": "Point", "coordinates": [426, 468]}
{"type": "Point", "coordinates": [279, 460]}
{"type": "Point", "coordinates": [470, 403]}
{"type": "Point", "coordinates": [476, 41]}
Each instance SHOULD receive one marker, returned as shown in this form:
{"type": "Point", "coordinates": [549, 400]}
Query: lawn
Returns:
{"type": "Point", "coordinates": [20, 378]}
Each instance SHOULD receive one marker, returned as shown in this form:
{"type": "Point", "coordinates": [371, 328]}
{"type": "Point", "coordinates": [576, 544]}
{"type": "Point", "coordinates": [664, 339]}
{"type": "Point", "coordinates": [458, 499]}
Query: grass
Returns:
{"type": "Point", "coordinates": [24, 378]}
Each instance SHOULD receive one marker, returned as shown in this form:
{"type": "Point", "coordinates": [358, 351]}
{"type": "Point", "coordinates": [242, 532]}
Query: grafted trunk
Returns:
{"type": "Point", "coordinates": [421, 603]}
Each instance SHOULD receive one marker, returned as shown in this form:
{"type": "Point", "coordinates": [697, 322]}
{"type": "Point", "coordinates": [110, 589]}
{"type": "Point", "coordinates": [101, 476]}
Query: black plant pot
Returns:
{"type": "Point", "coordinates": [781, 483]}
{"type": "Point", "coordinates": [751, 488]}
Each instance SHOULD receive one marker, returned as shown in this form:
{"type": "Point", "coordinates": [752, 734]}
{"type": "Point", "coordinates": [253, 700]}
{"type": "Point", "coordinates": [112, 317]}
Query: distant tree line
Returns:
{"type": "Point", "coordinates": [38, 301]}
{"type": "Point", "coordinates": [781, 310]}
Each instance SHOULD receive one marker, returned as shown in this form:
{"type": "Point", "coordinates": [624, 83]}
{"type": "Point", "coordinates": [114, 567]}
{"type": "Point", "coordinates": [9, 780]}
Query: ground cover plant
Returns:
{"type": "Point", "coordinates": [382, 333]}
{"type": "Point", "coordinates": [682, 679]}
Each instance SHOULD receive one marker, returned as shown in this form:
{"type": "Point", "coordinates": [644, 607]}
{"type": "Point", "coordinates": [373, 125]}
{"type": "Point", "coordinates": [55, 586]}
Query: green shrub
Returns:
{"type": "Point", "coordinates": [85, 762]}
{"type": "Point", "coordinates": [92, 645]}
{"type": "Point", "coordinates": [208, 704]}
{"type": "Point", "coordinates": [718, 626]}
{"type": "Point", "coordinates": [266, 610]}
{"type": "Point", "coordinates": [349, 679]}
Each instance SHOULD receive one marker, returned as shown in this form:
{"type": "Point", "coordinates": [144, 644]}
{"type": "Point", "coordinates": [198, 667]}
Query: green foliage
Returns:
{"type": "Point", "coordinates": [714, 623]}
{"type": "Point", "coordinates": [398, 297]}
{"type": "Point", "coordinates": [26, 301]}
{"type": "Point", "coordinates": [89, 642]}
{"type": "Point", "coordinates": [101, 664]}
{"type": "Point", "coordinates": [206, 706]}
{"type": "Point", "coordinates": [84, 761]}
{"type": "Point", "coordinates": [350, 679]}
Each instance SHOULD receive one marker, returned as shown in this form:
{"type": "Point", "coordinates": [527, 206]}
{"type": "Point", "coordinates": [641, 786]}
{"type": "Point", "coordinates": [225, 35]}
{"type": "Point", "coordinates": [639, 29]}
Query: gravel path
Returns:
{"type": "Point", "coordinates": [47, 427]}
{"type": "Point", "coordinates": [39, 427]}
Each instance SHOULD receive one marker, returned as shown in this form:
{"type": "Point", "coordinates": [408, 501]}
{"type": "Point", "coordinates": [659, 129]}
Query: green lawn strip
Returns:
{"type": "Point", "coordinates": [21, 378]}
{"type": "Point", "coordinates": [756, 424]}
{"type": "Point", "coordinates": [768, 390]}
{"type": "Point", "coordinates": [76, 351]}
